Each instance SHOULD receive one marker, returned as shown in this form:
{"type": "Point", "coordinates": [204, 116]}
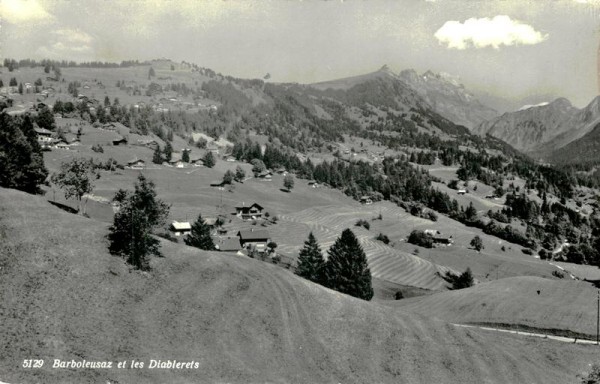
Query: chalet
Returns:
{"type": "Point", "coordinates": [210, 221]}
{"type": "Point", "coordinates": [443, 240]}
{"type": "Point", "coordinates": [266, 175]}
{"type": "Point", "coordinates": [177, 163]}
{"type": "Point", "coordinates": [432, 232]}
{"type": "Point", "coordinates": [180, 228]}
{"type": "Point", "coordinates": [150, 143]}
{"type": "Point", "coordinates": [253, 211]}
{"type": "Point", "coordinates": [217, 183]}
{"type": "Point", "coordinates": [254, 238]}
{"type": "Point", "coordinates": [313, 183]}
{"type": "Point", "coordinates": [119, 141]}
{"type": "Point", "coordinates": [229, 244]}
{"type": "Point", "coordinates": [136, 164]}
{"type": "Point", "coordinates": [197, 162]}
{"type": "Point", "coordinates": [230, 159]}
{"type": "Point", "coordinates": [462, 191]}
{"type": "Point", "coordinates": [280, 170]}
{"type": "Point", "coordinates": [366, 200]}
{"type": "Point", "coordinates": [43, 134]}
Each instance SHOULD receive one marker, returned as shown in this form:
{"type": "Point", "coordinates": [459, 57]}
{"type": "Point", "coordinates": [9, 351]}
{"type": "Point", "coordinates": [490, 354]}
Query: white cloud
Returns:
{"type": "Point", "coordinates": [20, 11]}
{"type": "Point", "coordinates": [486, 32]}
{"type": "Point", "coordinates": [67, 43]}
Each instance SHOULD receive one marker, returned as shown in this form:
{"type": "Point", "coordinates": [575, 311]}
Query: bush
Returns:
{"type": "Point", "coordinates": [363, 223]}
{"type": "Point", "coordinates": [399, 295]}
{"type": "Point", "coordinates": [383, 238]}
{"type": "Point", "coordinates": [420, 238]}
{"type": "Point", "coordinates": [97, 148]}
{"type": "Point", "coordinates": [430, 215]}
{"type": "Point", "coordinates": [558, 274]}
{"type": "Point", "coordinates": [527, 251]}
{"type": "Point", "coordinates": [464, 280]}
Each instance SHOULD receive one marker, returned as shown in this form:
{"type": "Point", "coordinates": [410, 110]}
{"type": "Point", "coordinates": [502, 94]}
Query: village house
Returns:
{"type": "Point", "coordinates": [119, 140]}
{"type": "Point", "coordinates": [366, 200]}
{"type": "Point", "coordinates": [265, 175]}
{"type": "Point", "coordinates": [177, 163]}
{"type": "Point", "coordinates": [136, 164]}
{"type": "Point", "coordinates": [228, 244]}
{"type": "Point", "coordinates": [443, 240]}
{"type": "Point", "coordinates": [256, 239]}
{"type": "Point", "coordinates": [432, 232]}
{"type": "Point", "coordinates": [180, 228]}
{"type": "Point", "coordinates": [253, 211]}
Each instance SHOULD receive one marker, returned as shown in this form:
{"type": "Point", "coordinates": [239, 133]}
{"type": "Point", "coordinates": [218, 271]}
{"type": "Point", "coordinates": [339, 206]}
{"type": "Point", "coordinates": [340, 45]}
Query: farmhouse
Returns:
{"type": "Point", "coordinates": [180, 228]}
{"type": "Point", "coordinates": [266, 175]}
{"type": "Point", "coordinates": [253, 211]}
{"type": "Point", "coordinates": [461, 191]}
{"type": "Point", "coordinates": [177, 163]}
{"type": "Point", "coordinates": [119, 141]}
{"type": "Point", "coordinates": [254, 238]}
{"type": "Point", "coordinates": [313, 184]}
{"type": "Point", "coordinates": [228, 244]}
{"type": "Point", "coordinates": [432, 232]}
{"type": "Point", "coordinates": [366, 200]}
{"type": "Point", "coordinates": [136, 164]}
{"type": "Point", "coordinates": [443, 240]}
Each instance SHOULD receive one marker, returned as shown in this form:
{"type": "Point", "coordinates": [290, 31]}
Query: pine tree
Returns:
{"type": "Point", "coordinates": [311, 263]}
{"type": "Point", "coordinates": [157, 157]}
{"type": "Point", "coordinates": [209, 160]}
{"type": "Point", "coordinates": [139, 212]}
{"type": "Point", "coordinates": [167, 151]}
{"type": "Point", "coordinates": [200, 235]}
{"type": "Point", "coordinates": [346, 269]}
{"type": "Point", "coordinates": [185, 156]}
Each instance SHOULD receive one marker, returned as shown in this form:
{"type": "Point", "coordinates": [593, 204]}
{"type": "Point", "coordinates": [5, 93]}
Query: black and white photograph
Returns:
{"type": "Point", "coordinates": [299, 191]}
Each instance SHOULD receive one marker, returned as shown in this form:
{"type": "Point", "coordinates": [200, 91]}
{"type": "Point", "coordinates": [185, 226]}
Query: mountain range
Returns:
{"type": "Point", "coordinates": [545, 130]}
{"type": "Point", "coordinates": [440, 92]}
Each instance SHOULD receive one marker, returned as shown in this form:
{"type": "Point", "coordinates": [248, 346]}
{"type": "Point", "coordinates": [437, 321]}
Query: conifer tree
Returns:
{"type": "Point", "coordinates": [157, 158]}
{"type": "Point", "coordinates": [200, 236]}
{"type": "Point", "coordinates": [346, 269]}
{"type": "Point", "coordinates": [185, 156]}
{"type": "Point", "coordinates": [139, 213]}
{"type": "Point", "coordinates": [167, 151]}
{"type": "Point", "coordinates": [209, 160]}
{"type": "Point", "coordinates": [311, 263]}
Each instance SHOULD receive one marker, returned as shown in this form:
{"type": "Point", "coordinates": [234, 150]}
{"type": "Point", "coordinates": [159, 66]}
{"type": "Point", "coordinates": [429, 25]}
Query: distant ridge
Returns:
{"type": "Point", "coordinates": [442, 92]}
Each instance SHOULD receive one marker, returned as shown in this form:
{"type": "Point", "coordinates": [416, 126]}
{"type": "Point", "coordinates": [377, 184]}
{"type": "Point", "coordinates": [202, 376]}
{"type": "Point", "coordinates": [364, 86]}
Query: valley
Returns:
{"type": "Point", "coordinates": [394, 158]}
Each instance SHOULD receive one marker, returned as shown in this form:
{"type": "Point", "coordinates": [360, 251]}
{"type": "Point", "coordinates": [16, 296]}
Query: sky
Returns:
{"type": "Point", "coordinates": [525, 51]}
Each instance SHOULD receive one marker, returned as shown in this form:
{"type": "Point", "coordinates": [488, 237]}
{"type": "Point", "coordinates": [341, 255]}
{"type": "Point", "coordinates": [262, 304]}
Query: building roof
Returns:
{"type": "Point", "coordinates": [210, 220]}
{"type": "Point", "coordinates": [244, 207]}
{"type": "Point", "coordinates": [181, 226]}
{"type": "Point", "coordinates": [229, 244]}
{"type": "Point", "coordinates": [253, 234]}
{"type": "Point", "coordinates": [42, 131]}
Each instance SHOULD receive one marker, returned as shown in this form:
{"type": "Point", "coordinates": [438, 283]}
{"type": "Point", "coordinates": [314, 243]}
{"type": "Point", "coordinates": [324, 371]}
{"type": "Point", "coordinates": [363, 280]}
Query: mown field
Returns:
{"type": "Point", "coordinates": [64, 297]}
{"type": "Point", "coordinates": [560, 304]}
{"type": "Point", "coordinates": [324, 211]}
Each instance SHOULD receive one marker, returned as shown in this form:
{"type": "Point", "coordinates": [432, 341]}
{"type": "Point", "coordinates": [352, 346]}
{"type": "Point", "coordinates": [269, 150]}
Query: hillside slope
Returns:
{"type": "Point", "coordinates": [560, 305]}
{"type": "Point", "coordinates": [64, 297]}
